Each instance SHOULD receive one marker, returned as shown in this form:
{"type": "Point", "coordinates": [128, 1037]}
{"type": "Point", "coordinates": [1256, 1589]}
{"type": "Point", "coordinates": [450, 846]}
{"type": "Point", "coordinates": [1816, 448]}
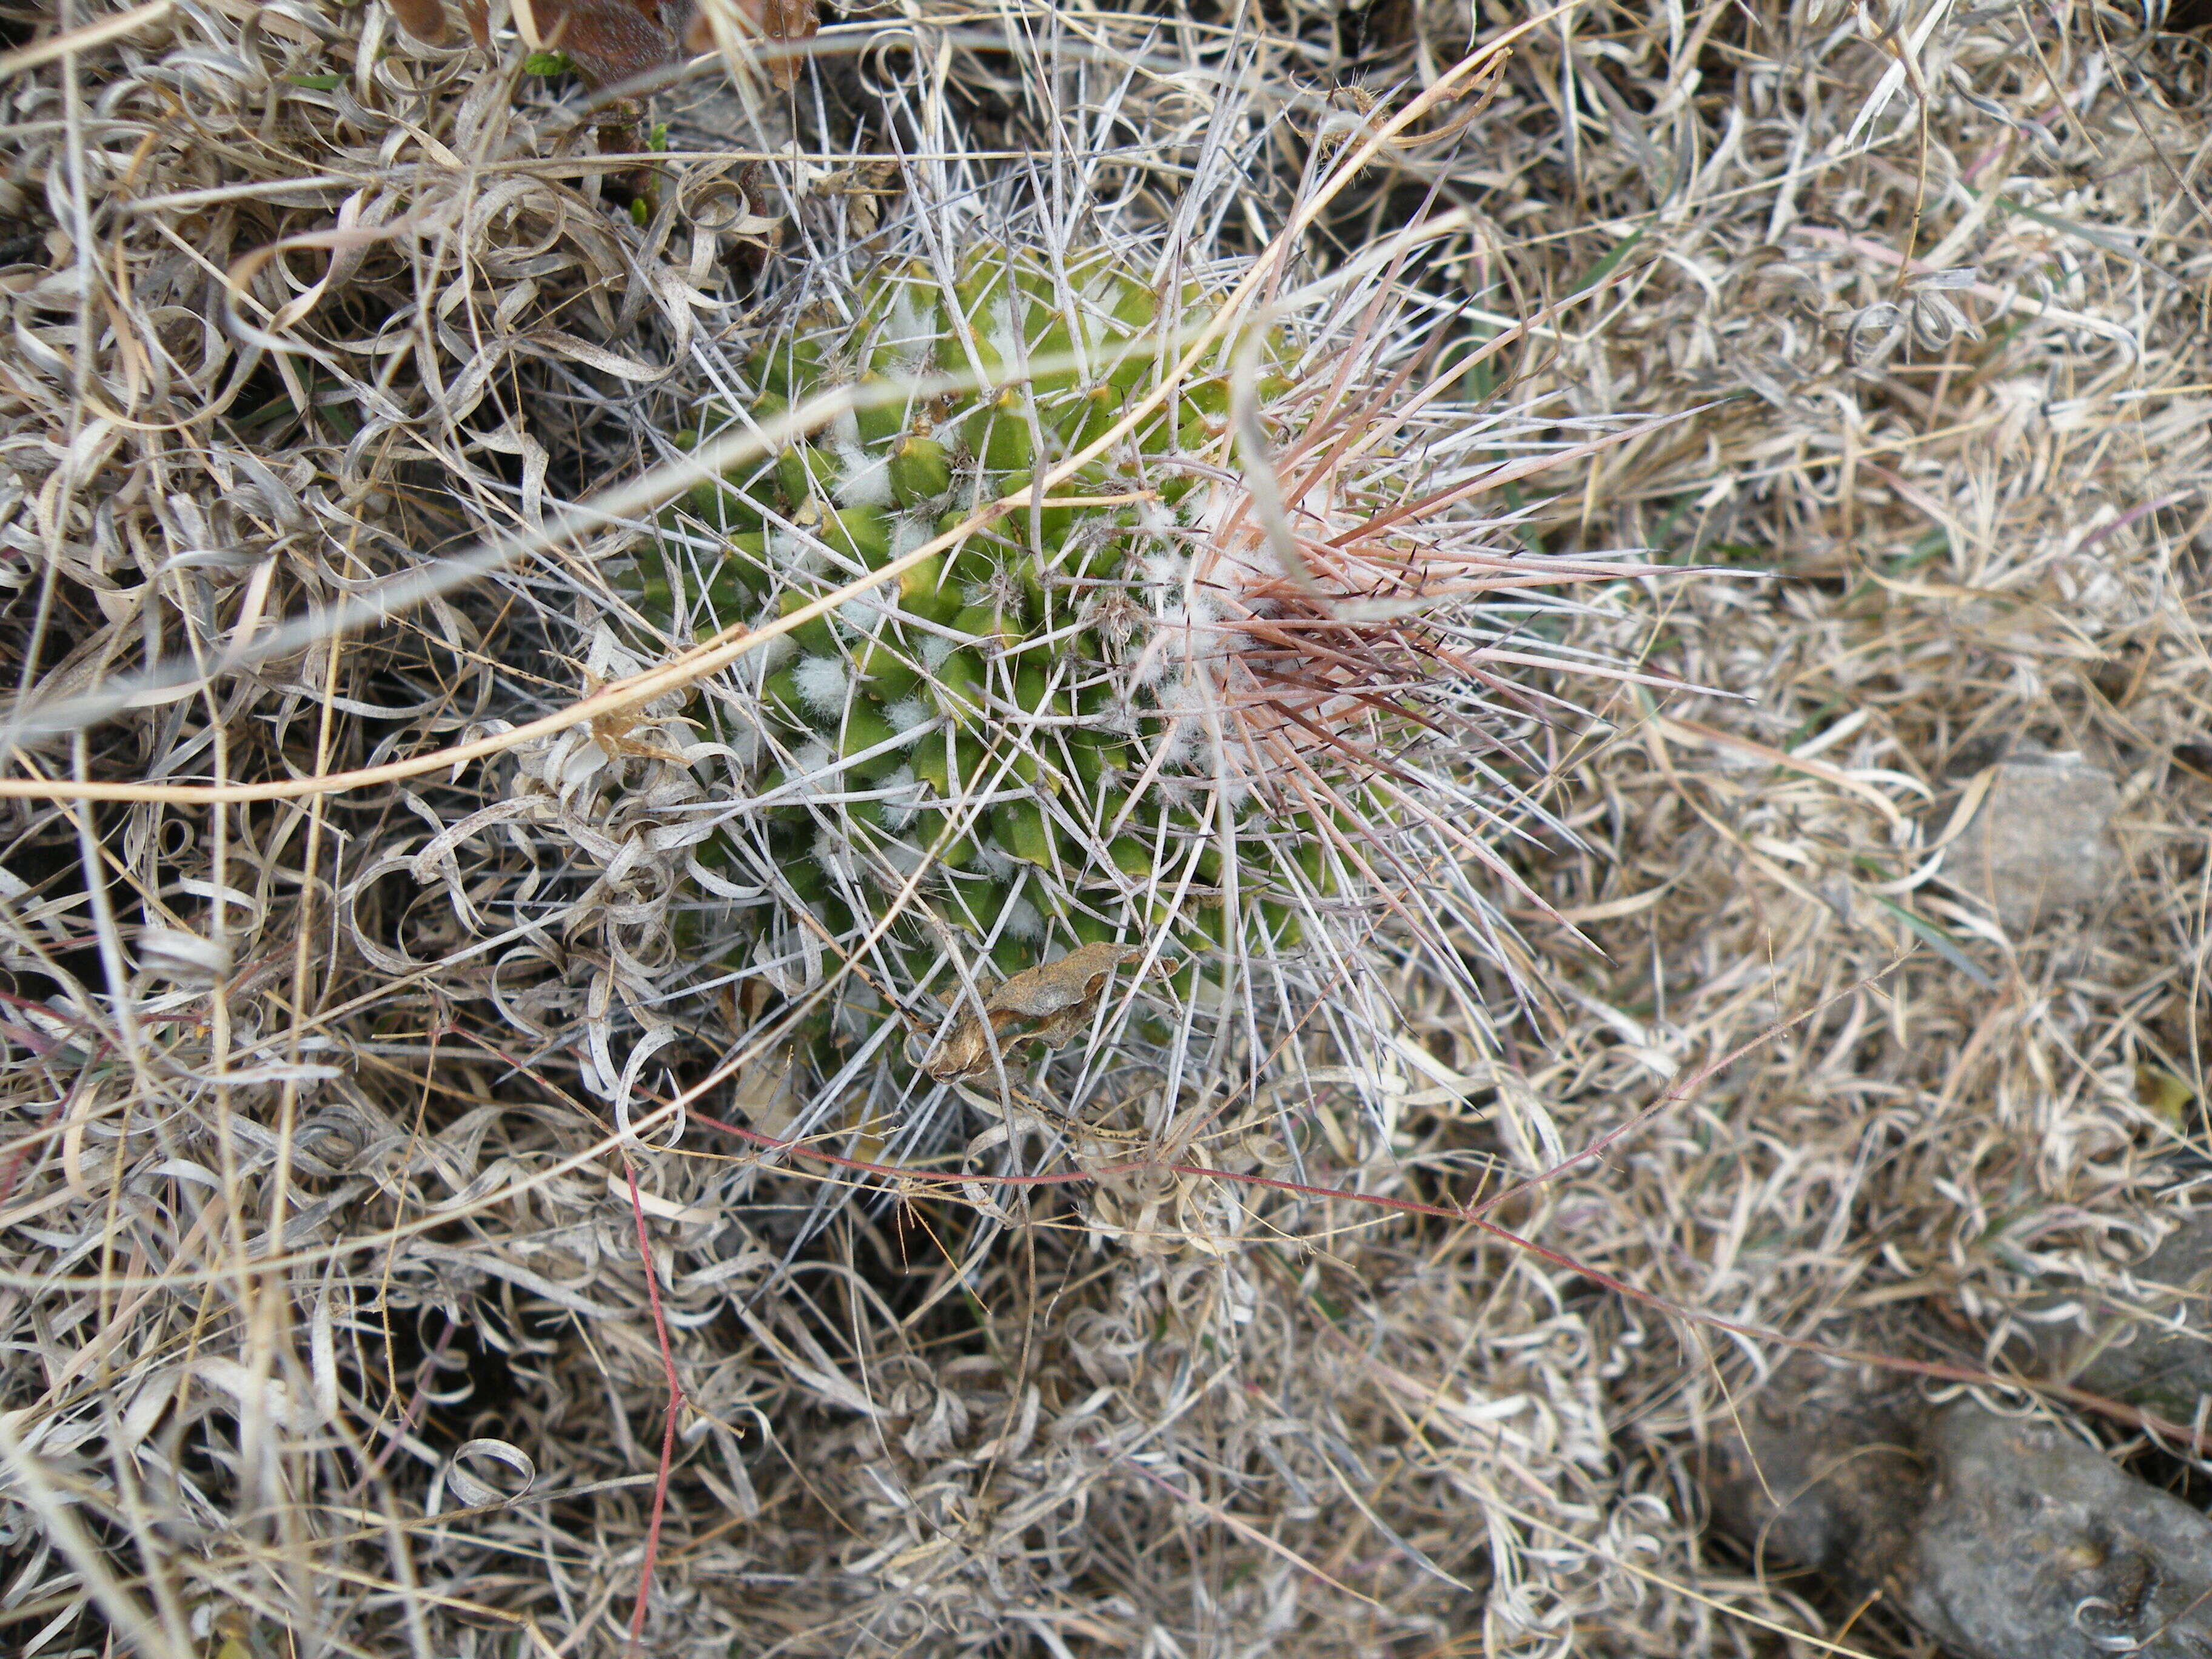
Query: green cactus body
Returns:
{"type": "Point", "coordinates": [1111, 714]}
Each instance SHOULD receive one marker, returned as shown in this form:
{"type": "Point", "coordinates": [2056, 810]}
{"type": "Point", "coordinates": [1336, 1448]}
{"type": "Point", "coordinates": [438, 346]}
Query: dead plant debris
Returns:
{"type": "Point", "coordinates": [341, 1313]}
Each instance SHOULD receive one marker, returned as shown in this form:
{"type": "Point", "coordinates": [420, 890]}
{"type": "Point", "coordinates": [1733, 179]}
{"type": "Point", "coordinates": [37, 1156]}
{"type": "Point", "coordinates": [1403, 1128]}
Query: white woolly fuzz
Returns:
{"type": "Point", "coordinates": [1185, 611]}
{"type": "Point", "coordinates": [862, 482]}
{"type": "Point", "coordinates": [861, 615]}
{"type": "Point", "coordinates": [1151, 667]}
{"type": "Point", "coordinates": [1189, 656]}
{"type": "Point", "coordinates": [1005, 339]}
{"type": "Point", "coordinates": [1024, 920]}
{"type": "Point", "coordinates": [934, 650]}
{"type": "Point", "coordinates": [745, 746]}
{"type": "Point", "coordinates": [1204, 507]}
{"type": "Point", "coordinates": [996, 864]}
{"type": "Point", "coordinates": [1166, 572]}
{"type": "Point", "coordinates": [1184, 731]}
{"type": "Point", "coordinates": [910, 714]}
{"type": "Point", "coordinates": [910, 531]}
{"type": "Point", "coordinates": [812, 769]}
{"type": "Point", "coordinates": [901, 796]}
{"type": "Point", "coordinates": [1202, 606]}
{"type": "Point", "coordinates": [796, 552]}
{"type": "Point", "coordinates": [824, 683]}
{"type": "Point", "coordinates": [1181, 697]}
{"type": "Point", "coordinates": [904, 858]}
{"type": "Point", "coordinates": [1231, 789]}
{"type": "Point", "coordinates": [776, 651]}
{"type": "Point", "coordinates": [844, 431]}
{"type": "Point", "coordinates": [834, 855]}
{"type": "Point", "coordinates": [1177, 792]}
{"type": "Point", "coordinates": [1241, 561]}
{"type": "Point", "coordinates": [1183, 740]}
{"type": "Point", "coordinates": [910, 331]}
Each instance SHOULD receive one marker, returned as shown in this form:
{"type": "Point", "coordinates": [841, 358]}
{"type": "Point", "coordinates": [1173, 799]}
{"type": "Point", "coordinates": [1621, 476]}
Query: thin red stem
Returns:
{"type": "Point", "coordinates": [668, 1429]}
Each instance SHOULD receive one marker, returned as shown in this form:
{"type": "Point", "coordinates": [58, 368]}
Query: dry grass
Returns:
{"type": "Point", "coordinates": [325, 1325]}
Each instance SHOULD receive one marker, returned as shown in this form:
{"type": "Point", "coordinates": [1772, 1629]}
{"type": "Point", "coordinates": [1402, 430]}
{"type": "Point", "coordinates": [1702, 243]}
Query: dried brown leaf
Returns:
{"type": "Point", "coordinates": [423, 19]}
{"type": "Point", "coordinates": [1048, 1004]}
{"type": "Point", "coordinates": [785, 21]}
{"type": "Point", "coordinates": [778, 22]}
{"type": "Point", "coordinates": [609, 40]}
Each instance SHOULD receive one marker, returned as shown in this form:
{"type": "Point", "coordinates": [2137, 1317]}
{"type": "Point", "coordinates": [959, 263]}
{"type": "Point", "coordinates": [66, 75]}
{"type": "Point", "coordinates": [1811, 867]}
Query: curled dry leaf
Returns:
{"type": "Point", "coordinates": [1048, 1004]}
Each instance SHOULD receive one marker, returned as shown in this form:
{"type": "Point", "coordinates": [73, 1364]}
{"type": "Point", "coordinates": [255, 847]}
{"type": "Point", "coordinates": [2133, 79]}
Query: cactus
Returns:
{"type": "Point", "coordinates": [1155, 706]}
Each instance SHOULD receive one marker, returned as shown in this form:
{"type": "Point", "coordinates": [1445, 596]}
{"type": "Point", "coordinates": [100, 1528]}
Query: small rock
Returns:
{"type": "Point", "coordinates": [2035, 1547]}
{"type": "Point", "coordinates": [2042, 843]}
{"type": "Point", "coordinates": [2148, 1344]}
{"type": "Point", "coordinates": [2000, 1538]}
{"type": "Point", "coordinates": [1821, 1478]}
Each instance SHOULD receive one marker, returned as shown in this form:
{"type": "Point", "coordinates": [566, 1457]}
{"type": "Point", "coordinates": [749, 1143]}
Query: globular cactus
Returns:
{"type": "Point", "coordinates": [1232, 707]}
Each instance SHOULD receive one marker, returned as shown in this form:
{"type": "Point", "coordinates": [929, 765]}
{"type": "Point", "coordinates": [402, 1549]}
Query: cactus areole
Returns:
{"type": "Point", "coordinates": [1158, 706]}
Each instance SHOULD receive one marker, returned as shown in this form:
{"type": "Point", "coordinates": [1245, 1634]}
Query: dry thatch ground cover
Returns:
{"type": "Point", "coordinates": [325, 1325]}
